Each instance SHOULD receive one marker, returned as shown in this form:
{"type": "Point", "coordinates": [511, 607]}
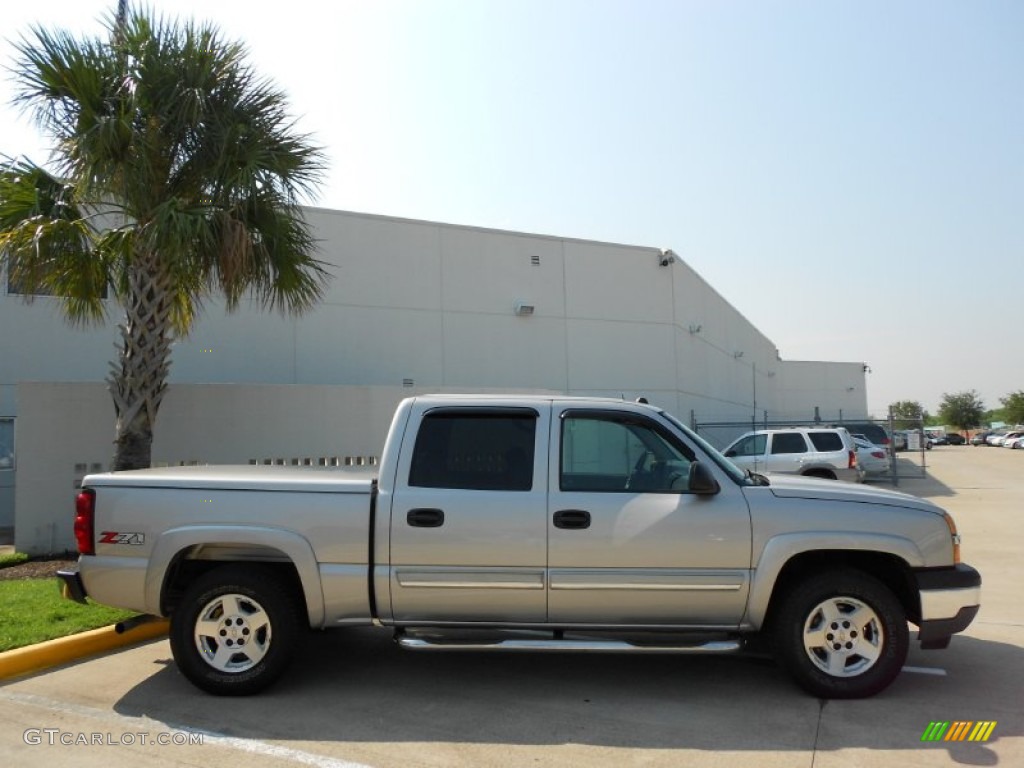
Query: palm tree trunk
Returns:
{"type": "Point", "coordinates": [138, 379]}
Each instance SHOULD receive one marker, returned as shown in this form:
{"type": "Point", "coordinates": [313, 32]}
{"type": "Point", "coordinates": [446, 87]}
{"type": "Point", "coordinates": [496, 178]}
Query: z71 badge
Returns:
{"type": "Point", "coordinates": [112, 537]}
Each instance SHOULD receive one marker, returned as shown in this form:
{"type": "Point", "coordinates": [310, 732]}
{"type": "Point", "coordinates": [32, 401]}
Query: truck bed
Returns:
{"type": "Point", "coordinates": [245, 478]}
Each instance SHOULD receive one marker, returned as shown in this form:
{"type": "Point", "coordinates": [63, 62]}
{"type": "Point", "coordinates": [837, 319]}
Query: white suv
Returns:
{"type": "Point", "coordinates": [815, 452]}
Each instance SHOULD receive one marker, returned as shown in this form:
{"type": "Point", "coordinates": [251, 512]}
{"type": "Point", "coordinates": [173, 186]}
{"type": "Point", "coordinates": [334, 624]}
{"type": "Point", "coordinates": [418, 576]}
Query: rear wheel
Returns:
{"type": "Point", "coordinates": [841, 635]}
{"type": "Point", "coordinates": [235, 630]}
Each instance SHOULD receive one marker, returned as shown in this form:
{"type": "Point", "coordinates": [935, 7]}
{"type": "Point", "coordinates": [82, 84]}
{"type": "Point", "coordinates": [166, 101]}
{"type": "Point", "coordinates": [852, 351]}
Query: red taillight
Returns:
{"type": "Point", "coordinates": [85, 507]}
{"type": "Point", "coordinates": [886, 441]}
{"type": "Point", "coordinates": [878, 454]}
{"type": "Point", "coordinates": [853, 459]}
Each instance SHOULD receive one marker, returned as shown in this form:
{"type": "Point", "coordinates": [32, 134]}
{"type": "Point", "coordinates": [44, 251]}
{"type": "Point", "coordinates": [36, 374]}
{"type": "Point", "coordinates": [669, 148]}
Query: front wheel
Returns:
{"type": "Point", "coordinates": [841, 635]}
{"type": "Point", "coordinates": [235, 630]}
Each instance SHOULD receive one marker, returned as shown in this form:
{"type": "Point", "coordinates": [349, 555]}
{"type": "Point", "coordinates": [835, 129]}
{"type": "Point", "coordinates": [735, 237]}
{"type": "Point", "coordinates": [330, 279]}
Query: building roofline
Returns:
{"type": "Point", "coordinates": [477, 228]}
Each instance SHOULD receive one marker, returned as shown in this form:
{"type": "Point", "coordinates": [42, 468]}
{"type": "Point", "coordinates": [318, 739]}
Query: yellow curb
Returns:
{"type": "Point", "coordinates": [63, 650]}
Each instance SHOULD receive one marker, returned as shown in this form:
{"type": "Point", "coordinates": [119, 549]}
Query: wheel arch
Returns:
{"type": "Point", "coordinates": [788, 559]}
{"type": "Point", "coordinates": [825, 473]}
{"type": "Point", "coordinates": [181, 554]}
{"type": "Point", "coordinates": [889, 569]}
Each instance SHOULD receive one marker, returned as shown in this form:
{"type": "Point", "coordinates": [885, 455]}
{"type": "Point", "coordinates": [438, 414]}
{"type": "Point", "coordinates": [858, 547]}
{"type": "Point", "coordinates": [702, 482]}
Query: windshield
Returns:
{"type": "Point", "coordinates": [737, 474]}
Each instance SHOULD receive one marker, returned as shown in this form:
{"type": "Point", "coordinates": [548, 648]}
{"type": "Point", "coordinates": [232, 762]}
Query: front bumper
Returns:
{"type": "Point", "coordinates": [950, 599]}
{"type": "Point", "coordinates": [71, 586]}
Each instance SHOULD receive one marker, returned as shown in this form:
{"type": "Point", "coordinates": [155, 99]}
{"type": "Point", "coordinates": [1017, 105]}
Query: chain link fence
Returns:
{"type": "Point", "coordinates": [904, 440]}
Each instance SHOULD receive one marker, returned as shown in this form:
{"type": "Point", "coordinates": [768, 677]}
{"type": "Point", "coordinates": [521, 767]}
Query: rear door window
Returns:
{"type": "Point", "coordinates": [827, 442]}
{"type": "Point", "coordinates": [788, 442]}
{"type": "Point", "coordinates": [491, 451]}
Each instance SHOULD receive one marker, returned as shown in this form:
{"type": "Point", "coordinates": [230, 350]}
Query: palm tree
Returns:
{"type": "Point", "coordinates": [176, 175]}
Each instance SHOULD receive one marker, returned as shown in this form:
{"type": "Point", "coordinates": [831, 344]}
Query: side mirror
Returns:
{"type": "Point", "coordinates": [702, 482]}
{"type": "Point", "coordinates": [730, 453]}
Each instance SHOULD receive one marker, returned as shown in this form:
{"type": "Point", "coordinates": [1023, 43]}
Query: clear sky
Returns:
{"type": "Point", "coordinates": [849, 175]}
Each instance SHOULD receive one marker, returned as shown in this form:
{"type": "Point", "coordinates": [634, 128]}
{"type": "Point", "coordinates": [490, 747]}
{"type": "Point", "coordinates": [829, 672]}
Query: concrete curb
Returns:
{"type": "Point", "coordinates": [63, 650]}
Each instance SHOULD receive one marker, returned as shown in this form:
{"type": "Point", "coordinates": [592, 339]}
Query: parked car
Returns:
{"type": "Point", "coordinates": [1010, 438]}
{"type": "Point", "coordinates": [870, 457]}
{"type": "Point", "coordinates": [1015, 443]}
{"type": "Point", "coordinates": [981, 438]}
{"type": "Point", "coordinates": [827, 452]}
{"type": "Point", "coordinates": [872, 432]}
{"type": "Point", "coordinates": [954, 438]}
{"type": "Point", "coordinates": [997, 437]}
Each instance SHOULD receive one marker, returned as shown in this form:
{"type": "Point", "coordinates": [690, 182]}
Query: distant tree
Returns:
{"type": "Point", "coordinates": [1013, 407]}
{"type": "Point", "coordinates": [964, 410]}
{"type": "Point", "coordinates": [908, 414]}
{"type": "Point", "coordinates": [177, 178]}
{"type": "Point", "coordinates": [992, 416]}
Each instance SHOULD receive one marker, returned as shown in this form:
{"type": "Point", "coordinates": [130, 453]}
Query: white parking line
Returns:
{"type": "Point", "coordinates": [251, 746]}
{"type": "Point", "coordinates": [926, 671]}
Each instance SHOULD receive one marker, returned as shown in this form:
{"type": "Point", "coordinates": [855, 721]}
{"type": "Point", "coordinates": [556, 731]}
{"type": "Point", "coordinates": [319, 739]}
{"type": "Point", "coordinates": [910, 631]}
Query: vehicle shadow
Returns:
{"type": "Point", "coordinates": [911, 481]}
{"type": "Point", "coordinates": [357, 686]}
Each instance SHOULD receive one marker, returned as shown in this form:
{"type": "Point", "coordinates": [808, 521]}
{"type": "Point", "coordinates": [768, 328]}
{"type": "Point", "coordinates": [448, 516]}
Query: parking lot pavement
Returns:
{"type": "Point", "coordinates": [355, 699]}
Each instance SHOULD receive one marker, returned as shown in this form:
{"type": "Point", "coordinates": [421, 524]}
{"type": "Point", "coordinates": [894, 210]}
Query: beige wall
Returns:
{"type": "Point", "coordinates": [68, 431]}
{"type": "Point", "coordinates": [837, 388]}
{"type": "Point", "coordinates": [434, 303]}
{"type": "Point", "coordinates": [67, 427]}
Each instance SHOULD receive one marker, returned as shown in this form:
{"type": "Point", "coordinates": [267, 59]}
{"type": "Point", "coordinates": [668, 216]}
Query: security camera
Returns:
{"type": "Point", "coordinates": [668, 256]}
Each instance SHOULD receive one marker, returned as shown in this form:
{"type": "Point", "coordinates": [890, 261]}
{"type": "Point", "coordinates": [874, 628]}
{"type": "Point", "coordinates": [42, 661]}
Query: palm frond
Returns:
{"type": "Point", "coordinates": [167, 125]}
{"type": "Point", "coordinates": [46, 243]}
{"type": "Point", "coordinates": [178, 173]}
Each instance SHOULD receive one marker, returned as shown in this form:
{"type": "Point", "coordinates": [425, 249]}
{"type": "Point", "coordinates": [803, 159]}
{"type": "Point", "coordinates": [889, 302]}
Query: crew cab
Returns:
{"type": "Point", "coordinates": [526, 523]}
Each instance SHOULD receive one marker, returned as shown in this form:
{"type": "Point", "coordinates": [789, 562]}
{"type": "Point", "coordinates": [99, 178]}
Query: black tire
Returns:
{"type": "Point", "coordinates": [854, 655]}
{"type": "Point", "coordinates": [247, 608]}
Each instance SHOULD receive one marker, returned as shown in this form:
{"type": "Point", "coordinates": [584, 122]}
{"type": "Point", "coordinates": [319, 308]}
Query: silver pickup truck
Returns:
{"type": "Point", "coordinates": [527, 523]}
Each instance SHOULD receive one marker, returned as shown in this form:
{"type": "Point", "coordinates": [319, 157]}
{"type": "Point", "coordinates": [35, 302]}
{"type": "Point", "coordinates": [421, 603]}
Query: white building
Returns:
{"type": "Point", "coordinates": [413, 306]}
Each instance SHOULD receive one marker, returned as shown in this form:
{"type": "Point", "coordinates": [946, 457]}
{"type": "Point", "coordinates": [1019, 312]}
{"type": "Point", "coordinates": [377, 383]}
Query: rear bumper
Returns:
{"type": "Point", "coordinates": [71, 586]}
{"type": "Point", "coordinates": [950, 599]}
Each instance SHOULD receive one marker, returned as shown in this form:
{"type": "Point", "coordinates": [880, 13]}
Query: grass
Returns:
{"type": "Point", "coordinates": [32, 610]}
{"type": "Point", "coordinates": [13, 558]}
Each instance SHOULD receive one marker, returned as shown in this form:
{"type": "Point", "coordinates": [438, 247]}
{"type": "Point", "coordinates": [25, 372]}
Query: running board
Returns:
{"type": "Point", "coordinates": [564, 644]}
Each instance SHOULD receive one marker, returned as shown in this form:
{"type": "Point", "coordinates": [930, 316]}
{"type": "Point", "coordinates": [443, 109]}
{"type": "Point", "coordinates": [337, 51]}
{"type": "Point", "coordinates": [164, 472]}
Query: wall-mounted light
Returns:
{"type": "Point", "coordinates": [668, 256]}
{"type": "Point", "coordinates": [737, 355]}
{"type": "Point", "coordinates": [522, 309]}
{"type": "Point", "coordinates": [696, 328]}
